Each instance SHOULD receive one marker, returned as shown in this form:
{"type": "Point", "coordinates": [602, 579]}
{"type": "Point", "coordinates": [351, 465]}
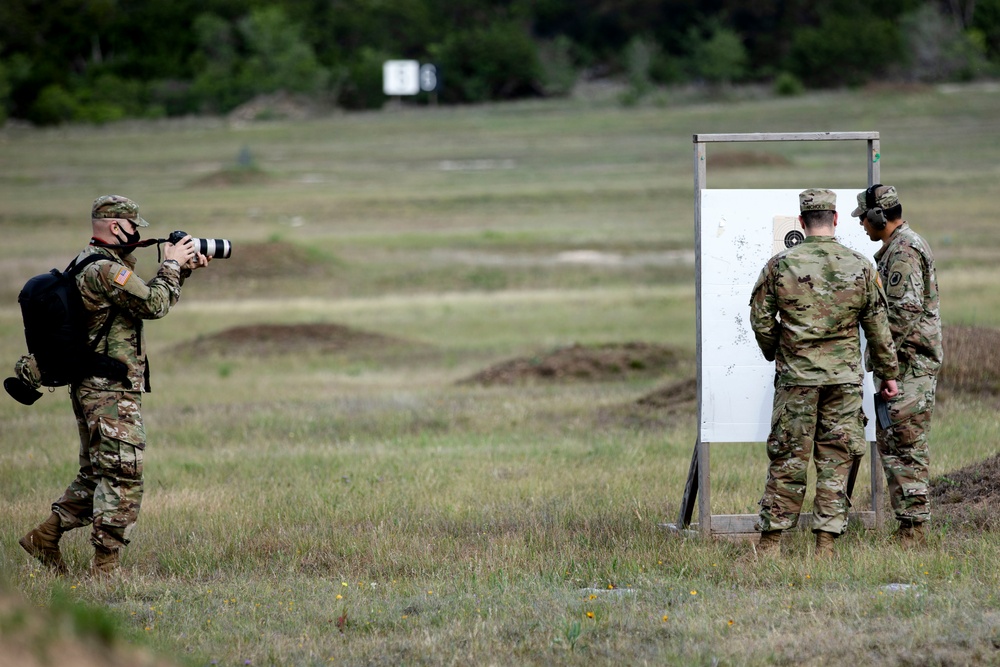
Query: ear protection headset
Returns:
{"type": "Point", "coordinates": [874, 214]}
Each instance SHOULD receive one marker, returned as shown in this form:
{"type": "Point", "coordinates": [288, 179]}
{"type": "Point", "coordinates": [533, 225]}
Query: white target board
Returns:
{"type": "Point", "coordinates": [401, 77]}
{"type": "Point", "coordinates": [740, 231]}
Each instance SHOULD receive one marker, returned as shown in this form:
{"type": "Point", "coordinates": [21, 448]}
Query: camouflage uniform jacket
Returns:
{"type": "Point", "coordinates": [906, 265]}
{"type": "Point", "coordinates": [113, 285]}
{"type": "Point", "coordinates": [822, 291]}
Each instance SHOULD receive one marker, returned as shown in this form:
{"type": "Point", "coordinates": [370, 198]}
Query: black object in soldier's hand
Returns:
{"type": "Point", "coordinates": [20, 391]}
{"type": "Point", "coordinates": [882, 411]}
{"type": "Point", "coordinates": [220, 248]}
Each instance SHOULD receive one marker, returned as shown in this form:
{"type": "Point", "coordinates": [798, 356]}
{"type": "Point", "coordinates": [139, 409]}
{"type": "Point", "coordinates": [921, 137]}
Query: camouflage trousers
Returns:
{"type": "Point", "coordinates": [827, 424]}
{"type": "Point", "coordinates": [903, 448]}
{"type": "Point", "coordinates": [107, 491]}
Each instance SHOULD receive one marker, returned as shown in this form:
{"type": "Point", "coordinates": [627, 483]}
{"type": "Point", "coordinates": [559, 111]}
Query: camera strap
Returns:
{"type": "Point", "coordinates": [144, 243]}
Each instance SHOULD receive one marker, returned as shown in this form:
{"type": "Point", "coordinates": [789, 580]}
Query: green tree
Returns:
{"type": "Point", "coordinates": [498, 61]}
{"type": "Point", "coordinates": [830, 55]}
{"type": "Point", "coordinates": [639, 56]}
{"type": "Point", "coordinates": [278, 56]}
{"type": "Point", "coordinates": [720, 58]}
{"type": "Point", "coordinates": [263, 52]}
{"type": "Point", "coordinates": [362, 87]}
{"type": "Point", "coordinates": [54, 105]}
{"type": "Point", "coordinates": [937, 47]}
{"type": "Point", "coordinates": [217, 86]}
{"type": "Point", "coordinates": [986, 20]}
{"type": "Point", "coordinates": [558, 70]}
{"type": "Point", "coordinates": [4, 92]}
{"type": "Point", "coordinates": [339, 30]}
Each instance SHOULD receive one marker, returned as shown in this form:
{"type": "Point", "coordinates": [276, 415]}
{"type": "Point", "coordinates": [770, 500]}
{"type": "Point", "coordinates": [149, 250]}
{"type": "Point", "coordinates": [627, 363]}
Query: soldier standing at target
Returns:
{"type": "Point", "coordinates": [906, 266]}
{"type": "Point", "coordinates": [805, 311]}
{"type": "Point", "coordinates": [107, 491]}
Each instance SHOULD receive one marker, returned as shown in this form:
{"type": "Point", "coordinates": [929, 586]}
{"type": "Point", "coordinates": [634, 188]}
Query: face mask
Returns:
{"type": "Point", "coordinates": [130, 239]}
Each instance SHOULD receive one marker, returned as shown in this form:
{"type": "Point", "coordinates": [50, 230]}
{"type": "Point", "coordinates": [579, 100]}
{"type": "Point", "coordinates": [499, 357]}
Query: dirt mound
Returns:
{"type": "Point", "coordinates": [971, 360]}
{"type": "Point", "coordinates": [613, 361]}
{"type": "Point", "coordinates": [65, 633]}
{"type": "Point", "coordinates": [669, 405]}
{"type": "Point", "coordinates": [968, 498]}
{"type": "Point", "coordinates": [274, 339]}
{"type": "Point", "coordinates": [274, 106]}
{"type": "Point", "coordinates": [229, 176]}
{"type": "Point", "coordinates": [738, 159]}
{"type": "Point", "coordinates": [678, 396]}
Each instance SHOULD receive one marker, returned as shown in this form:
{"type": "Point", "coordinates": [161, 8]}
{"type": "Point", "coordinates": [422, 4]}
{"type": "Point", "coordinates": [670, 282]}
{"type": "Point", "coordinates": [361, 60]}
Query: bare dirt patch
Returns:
{"type": "Point", "coordinates": [277, 339]}
{"type": "Point", "coordinates": [968, 498]}
{"type": "Point", "coordinates": [971, 361]}
{"type": "Point", "coordinates": [229, 176]}
{"type": "Point", "coordinates": [581, 363]}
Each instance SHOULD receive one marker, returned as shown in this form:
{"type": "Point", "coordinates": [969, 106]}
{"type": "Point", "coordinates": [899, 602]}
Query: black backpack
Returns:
{"type": "Point", "coordinates": [56, 332]}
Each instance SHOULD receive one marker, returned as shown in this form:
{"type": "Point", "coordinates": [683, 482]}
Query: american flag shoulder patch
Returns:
{"type": "Point", "coordinates": [122, 276]}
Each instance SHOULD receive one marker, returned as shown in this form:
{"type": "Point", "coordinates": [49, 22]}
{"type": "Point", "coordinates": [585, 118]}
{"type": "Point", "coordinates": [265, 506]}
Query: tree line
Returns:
{"type": "Point", "coordinates": [102, 60]}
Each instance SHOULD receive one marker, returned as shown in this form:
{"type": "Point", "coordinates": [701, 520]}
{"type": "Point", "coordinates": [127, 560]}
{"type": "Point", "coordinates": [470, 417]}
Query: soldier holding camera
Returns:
{"type": "Point", "coordinates": [906, 266]}
{"type": "Point", "coordinates": [107, 491]}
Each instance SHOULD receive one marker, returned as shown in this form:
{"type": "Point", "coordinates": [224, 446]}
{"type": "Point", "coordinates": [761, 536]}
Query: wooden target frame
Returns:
{"type": "Point", "coordinates": [698, 485]}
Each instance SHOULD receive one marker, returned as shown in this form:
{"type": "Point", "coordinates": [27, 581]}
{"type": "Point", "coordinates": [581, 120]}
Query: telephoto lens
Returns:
{"type": "Point", "coordinates": [220, 248]}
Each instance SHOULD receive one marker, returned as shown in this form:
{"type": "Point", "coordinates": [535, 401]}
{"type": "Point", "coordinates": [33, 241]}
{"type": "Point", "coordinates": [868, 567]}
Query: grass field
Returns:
{"type": "Point", "coordinates": [360, 504]}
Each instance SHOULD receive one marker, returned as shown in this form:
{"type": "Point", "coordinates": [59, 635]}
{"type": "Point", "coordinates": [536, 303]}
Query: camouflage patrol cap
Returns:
{"type": "Point", "coordinates": [862, 205]}
{"type": "Point", "coordinates": [116, 206]}
{"type": "Point", "coordinates": [885, 197]}
{"type": "Point", "coordinates": [817, 200]}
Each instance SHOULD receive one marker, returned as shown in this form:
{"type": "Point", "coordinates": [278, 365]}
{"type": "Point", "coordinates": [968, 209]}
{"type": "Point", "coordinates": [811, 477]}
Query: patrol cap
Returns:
{"type": "Point", "coordinates": [817, 200]}
{"type": "Point", "coordinates": [862, 205]}
{"type": "Point", "coordinates": [885, 197]}
{"type": "Point", "coordinates": [116, 206]}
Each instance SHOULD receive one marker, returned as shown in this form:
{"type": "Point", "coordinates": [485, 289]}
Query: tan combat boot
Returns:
{"type": "Point", "coordinates": [911, 535]}
{"type": "Point", "coordinates": [105, 561]}
{"type": "Point", "coordinates": [43, 543]}
{"type": "Point", "coordinates": [824, 544]}
{"type": "Point", "coordinates": [769, 543]}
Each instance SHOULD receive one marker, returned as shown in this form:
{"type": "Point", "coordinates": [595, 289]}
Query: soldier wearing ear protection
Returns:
{"type": "Point", "coordinates": [906, 267]}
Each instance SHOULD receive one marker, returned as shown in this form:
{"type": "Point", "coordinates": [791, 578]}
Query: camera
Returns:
{"type": "Point", "coordinates": [220, 248]}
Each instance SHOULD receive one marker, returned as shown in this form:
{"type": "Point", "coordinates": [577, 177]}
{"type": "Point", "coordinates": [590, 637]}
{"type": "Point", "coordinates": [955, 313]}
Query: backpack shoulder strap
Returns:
{"type": "Point", "coordinates": [76, 267]}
